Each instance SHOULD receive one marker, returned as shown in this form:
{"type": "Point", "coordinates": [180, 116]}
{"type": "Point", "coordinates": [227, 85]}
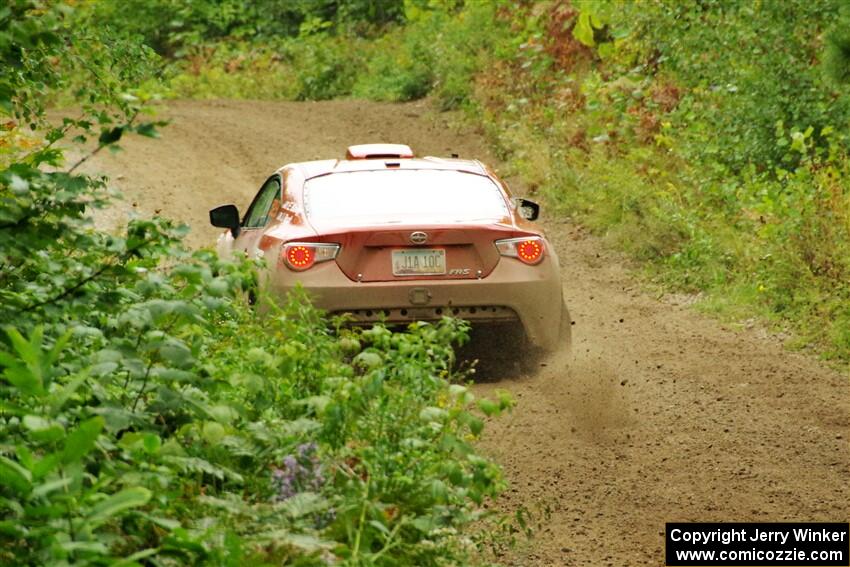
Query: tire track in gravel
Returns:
{"type": "Point", "coordinates": [658, 413]}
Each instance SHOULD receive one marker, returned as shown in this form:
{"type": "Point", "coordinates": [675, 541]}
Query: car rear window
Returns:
{"type": "Point", "coordinates": [398, 196]}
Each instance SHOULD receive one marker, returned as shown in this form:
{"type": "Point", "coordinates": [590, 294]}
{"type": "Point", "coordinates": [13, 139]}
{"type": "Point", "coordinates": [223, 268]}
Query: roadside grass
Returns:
{"type": "Point", "coordinates": [259, 75]}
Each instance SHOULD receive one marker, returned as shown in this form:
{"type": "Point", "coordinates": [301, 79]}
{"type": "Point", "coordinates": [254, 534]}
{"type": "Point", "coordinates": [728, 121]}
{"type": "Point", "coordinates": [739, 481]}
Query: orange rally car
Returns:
{"type": "Point", "coordinates": [386, 236]}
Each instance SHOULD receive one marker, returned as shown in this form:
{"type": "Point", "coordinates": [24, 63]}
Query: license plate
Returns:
{"type": "Point", "coordinates": [419, 262]}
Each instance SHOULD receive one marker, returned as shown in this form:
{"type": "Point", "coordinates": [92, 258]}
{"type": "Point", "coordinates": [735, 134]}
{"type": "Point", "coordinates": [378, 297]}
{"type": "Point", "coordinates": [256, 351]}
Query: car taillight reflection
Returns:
{"type": "Point", "coordinates": [527, 249]}
{"type": "Point", "coordinates": [300, 256]}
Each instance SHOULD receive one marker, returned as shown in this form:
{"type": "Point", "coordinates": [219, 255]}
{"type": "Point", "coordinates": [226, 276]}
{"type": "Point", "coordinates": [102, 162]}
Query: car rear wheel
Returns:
{"type": "Point", "coordinates": [497, 350]}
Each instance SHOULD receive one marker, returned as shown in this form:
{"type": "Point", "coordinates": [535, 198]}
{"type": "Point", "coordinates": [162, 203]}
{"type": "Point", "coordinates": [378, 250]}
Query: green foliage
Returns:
{"type": "Point", "coordinates": [314, 67]}
{"type": "Point", "coordinates": [746, 66]}
{"type": "Point", "coordinates": [324, 68]}
{"type": "Point", "coordinates": [437, 52]}
{"type": "Point", "coordinates": [174, 28]}
{"type": "Point", "coordinates": [150, 414]}
{"type": "Point", "coordinates": [396, 73]}
{"type": "Point", "coordinates": [705, 139]}
{"type": "Point", "coordinates": [836, 57]}
{"type": "Point", "coordinates": [235, 70]}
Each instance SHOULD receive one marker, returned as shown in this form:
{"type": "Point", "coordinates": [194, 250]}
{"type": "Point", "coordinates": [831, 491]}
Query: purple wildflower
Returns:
{"type": "Point", "coordinates": [299, 472]}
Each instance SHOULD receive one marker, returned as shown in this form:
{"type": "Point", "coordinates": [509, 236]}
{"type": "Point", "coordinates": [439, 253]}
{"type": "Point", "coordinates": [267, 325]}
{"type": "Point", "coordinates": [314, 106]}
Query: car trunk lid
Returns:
{"type": "Point", "coordinates": [419, 252]}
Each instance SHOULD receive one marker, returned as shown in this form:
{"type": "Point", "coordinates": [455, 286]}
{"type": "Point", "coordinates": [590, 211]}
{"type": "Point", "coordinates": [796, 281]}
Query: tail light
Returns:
{"type": "Point", "coordinates": [300, 256]}
{"type": "Point", "coordinates": [528, 249]}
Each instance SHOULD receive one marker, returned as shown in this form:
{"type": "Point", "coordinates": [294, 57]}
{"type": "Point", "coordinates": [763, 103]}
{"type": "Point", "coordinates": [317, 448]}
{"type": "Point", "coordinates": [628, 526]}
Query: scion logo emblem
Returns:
{"type": "Point", "coordinates": [418, 237]}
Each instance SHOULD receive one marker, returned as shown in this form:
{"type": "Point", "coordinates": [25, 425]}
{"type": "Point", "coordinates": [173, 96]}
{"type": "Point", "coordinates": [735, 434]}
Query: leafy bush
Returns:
{"type": "Point", "coordinates": [325, 67]}
{"type": "Point", "coordinates": [746, 67]}
{"type": "Point", "coordinates": [151, 415]}
{"type": "Point", "coordinates": [235, 71]}
{"type": "Point", "coordinates": [437, 51]}
{"type": "Point", "coordinates": [396, 72]}
{"type": "Point", "coordinates": [704, 138]}
{"type": "Point", "coordinates": [311, 68]}
{"type": "Point", "coordinates": [173, 28]}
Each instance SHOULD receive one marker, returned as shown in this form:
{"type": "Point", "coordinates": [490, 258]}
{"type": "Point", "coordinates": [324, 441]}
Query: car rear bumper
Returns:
{"type": "Point", "coordinates": [512, 291]}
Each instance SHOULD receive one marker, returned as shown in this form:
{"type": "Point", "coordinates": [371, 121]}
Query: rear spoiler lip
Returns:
{"type": "Point", "coordinates": [507, 230]}
{"type": "Point", "coordinates": [468, 171]}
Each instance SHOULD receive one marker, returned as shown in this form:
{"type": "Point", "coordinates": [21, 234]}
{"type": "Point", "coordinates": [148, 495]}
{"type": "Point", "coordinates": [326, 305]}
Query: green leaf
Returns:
{"type": "Point", "coordinates": [12, 409]}
{"type": "Point", "coordinates": [133, 559]}
{"type": "Point", "coordinates": [317, 403]}
{"type": "Point", "coordinates": [303, 504]}
{"type": "Point", "coordinates": [489, 407]}
{"type": "Point", "coordinates": [25, 456]}
{"type": "Point", "coordinates": [173, 374]}
{"type": "Point", "coordinates": [425, 524]}
{"type": "Point", "coordinates": [12, 529]}
{"type": "Point", "coordinates": [116, 418]}
{"type": "Point", "coordinates": [103, 369]}
{"type": "Point", "coordinates": [432, 414]}
{"type": "Point", "coordinates": [151, 443]}
{"type": "Point", "coordinates": [124, 500]}
{"type": "Point", "coordinates": [506, 401]}
{"type": "Point", "coordinates": [82, 440]}
{"type": "Point", "coordinates": [148, 129]}
{"type": "Point", "coordinates": [606, 50]}
{"type": "Point", "coordinates": [380, 527]}
{"type": "Point", "coordinates": [14, 475]}
{"type": "Point", "coordinates": [110, 136]}
{"type": "Point", "coordinates": [46, 488]}
{"type": "Point", "coordinates": [58, 346]}
{"type": "Point", "coordinates": [177, 353]}
{"type": "Point", "coordinates": [583, 30]}
{"type": "Point", "coordinates": [223, 413]}
{"type": "Point", "coordinates": [46, 465]}
{"type": "Point", "coordinates": [304, 542]}
{"type": "Point", "coordinates": [476, 426]}
{"type": "Point", "coordinates": [36, 423]}
{"type": "Point", "coordinates": [165, 523]}
{"type": "Point", "coordinates": [213, 432]}
{"type": "Point", "coordinates": [197, 465]}
{"type": "Point", "coordinates": [141, 441]}
{"type": "Point", "coordinates": [60, 396]}
{"type": "Point", "coordinates": [26, 377]}
{"type": "Point", "coordinates": [88, 546]}
{"type": "Point", "coordinates": [368, 360]}
{"type": "Point", "coordinates": [43, 430]}
{"type": "Point", "coordinates": [595, 20]}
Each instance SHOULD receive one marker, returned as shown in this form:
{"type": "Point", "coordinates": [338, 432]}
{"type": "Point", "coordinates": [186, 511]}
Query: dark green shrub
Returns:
{"type": "Point", "coordinates": [150, 415]}
{"type": "Point", "coordinates": [325, 67]}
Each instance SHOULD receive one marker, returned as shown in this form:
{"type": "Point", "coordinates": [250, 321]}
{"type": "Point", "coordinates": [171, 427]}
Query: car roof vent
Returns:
{"type": "Point", "coordinates": [378, 151]}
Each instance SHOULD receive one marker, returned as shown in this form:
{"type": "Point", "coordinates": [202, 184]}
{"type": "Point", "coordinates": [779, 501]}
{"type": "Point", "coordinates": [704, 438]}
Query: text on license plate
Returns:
{"type": "Point", "coordinates": [419, 261]}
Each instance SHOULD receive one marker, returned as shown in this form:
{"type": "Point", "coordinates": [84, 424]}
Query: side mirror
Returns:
{"type": "Point", "coordinates": [529, 210]}
{"type": "Point", "coordinates": [226, 216]}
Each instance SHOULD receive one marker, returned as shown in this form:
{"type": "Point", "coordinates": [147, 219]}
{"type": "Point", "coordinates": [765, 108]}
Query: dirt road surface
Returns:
{"type": "Point", "coordinates": [658, 414]}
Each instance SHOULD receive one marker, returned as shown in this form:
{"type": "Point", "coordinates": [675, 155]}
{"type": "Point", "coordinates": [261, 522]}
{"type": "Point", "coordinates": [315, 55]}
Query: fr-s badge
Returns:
{"type": "Point", "coordinates": [460, 271]}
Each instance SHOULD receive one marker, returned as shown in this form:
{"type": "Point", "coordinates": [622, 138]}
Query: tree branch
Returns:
{"type": "Point", "coordinates": [100, 146]}
{"type": "Point", "coordinates": [97, 273]}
